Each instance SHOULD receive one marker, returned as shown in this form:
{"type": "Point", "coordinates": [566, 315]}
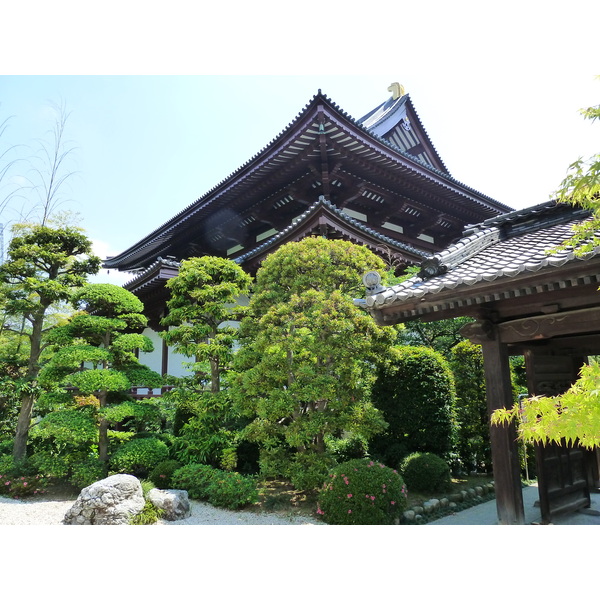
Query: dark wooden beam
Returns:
{"type": "Point", "coordinates": [541, 327]}
{"type": "Point", "coordinates": [503, 439]}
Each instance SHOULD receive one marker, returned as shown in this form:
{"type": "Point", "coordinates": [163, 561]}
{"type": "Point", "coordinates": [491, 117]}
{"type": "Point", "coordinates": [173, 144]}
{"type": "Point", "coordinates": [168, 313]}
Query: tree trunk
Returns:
{"type": "Point", "coordinates": [22, 432]}
{"type": "Point", "coordinates": [27, 398]}
{"type": "Point", "coordinates": [215, 376]}
{"type": "Point", "coordinates": [103, 433]}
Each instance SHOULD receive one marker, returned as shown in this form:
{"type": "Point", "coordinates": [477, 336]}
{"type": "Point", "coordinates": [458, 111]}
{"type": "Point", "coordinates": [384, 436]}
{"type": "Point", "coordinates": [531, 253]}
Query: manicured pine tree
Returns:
{"type": "Point", "coordinates": [105, 335]}
{"type": "Point", "coordinates": [45, 265]}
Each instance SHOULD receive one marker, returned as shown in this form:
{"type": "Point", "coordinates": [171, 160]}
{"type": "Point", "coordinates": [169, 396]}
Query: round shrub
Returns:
{"type": "Point", "coordinates": [232, 490]}
{"type": "Point", "coordinates": [163, 472]}
{"type": "Point", "coordinates": [219, 488]}
{"type": "Point", "coordinates": [426, 472]}
{"type": "Point", "coordinates": [194, 478]}
{"type": "Point", "coordinates": [139, 456]}
{"type": "Point", "coordinates": [362, 492]}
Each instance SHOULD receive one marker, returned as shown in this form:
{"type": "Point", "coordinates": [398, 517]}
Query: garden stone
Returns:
{"type": "Point", "coordinates": [409, 515]}
{"type": "Point", "coordinates": [431, 505]}
{"type": "Point", "coordinates": [110, 501]}
{"type": "Point", "coordinates": [174, 503]}
{"type": "Point", "coordinates": [444, 502]}
{"type": "Point", "coordinates": [479, 490]}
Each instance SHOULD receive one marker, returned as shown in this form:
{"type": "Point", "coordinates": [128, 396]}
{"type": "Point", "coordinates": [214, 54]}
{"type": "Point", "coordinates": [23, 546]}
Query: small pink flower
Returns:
{"type": "Point", "coordinates": [349, 495]}
{"type": "Point", "coordinates": [24, 483]}
{"type": "Point", "coordinates": [372, 497]}
{"type": "Point", "coordinates": [349, 511]}
{"type": "Point", "coordinates": [392, 502]}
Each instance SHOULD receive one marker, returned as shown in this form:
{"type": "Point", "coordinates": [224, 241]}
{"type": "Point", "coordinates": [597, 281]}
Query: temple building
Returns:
{"type": "Point", "coordinates": [377, 181]}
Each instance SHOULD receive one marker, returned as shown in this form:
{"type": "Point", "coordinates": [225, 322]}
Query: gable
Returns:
{"type": "Point", "coordinates": [397, 122]}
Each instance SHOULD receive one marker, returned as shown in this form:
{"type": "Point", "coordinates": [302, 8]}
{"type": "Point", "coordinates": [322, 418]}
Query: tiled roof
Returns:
{"type": "Point", "coordinates": [271, 159]}
{"type": "Point", "coordinates": [151, 273]}
{"type": "Point", "coordinates": [322, 202]}
{"type": "Point", "coordinates": [492, 253]}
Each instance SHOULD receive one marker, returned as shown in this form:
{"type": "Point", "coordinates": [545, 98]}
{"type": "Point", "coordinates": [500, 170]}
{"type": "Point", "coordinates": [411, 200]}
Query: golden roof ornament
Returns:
{"type": "Point", "coordinates": [397, 90]}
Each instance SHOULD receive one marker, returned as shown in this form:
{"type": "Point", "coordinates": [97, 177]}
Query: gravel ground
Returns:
{"type": "Point", "coordinates": [50, 512]}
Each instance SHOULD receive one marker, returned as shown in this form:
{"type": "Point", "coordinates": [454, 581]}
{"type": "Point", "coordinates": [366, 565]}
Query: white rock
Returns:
{"type": "Point", "coordinates": [110, 501]}
{"type": "Point", "coordinates": [175, 504]}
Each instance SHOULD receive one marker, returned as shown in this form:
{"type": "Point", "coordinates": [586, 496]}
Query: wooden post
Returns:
{"type": "Point", "coordinates": [503, 439]}
{"type": "Point", "coordinates": [505, 451]}
{"type": "Point", "coordinates": [165, 359]}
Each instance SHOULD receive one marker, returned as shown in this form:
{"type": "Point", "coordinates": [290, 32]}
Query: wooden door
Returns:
{"type": "Point", "coordinates": [564, 475]}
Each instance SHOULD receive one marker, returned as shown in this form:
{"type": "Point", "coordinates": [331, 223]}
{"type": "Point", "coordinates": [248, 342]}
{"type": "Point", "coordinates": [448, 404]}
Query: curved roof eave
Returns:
{"type": "Point", "coordinates": [162, 234]}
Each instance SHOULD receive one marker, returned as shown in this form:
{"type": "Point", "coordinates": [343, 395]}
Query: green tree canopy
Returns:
{"type": "Point", "coordinates": [44, 267]}
{"type": "Point", "coordinates": [308, 355]}
{"type": "Point", "coordinates": [315, 263]}
{"type": "Point", "coordinates": [104, 337]}
{"type": "Point", "coordinates": [202, 310]}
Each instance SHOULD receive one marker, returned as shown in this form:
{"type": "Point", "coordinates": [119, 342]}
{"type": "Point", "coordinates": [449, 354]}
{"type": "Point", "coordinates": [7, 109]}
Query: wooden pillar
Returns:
{"type": "Point", "coordinates": [503, 439]}
{"type": "Point", "coordinates": [165, 359]}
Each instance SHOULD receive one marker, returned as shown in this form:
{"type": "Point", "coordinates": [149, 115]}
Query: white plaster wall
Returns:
{"type": "Point", "coordinates": [152, 360]}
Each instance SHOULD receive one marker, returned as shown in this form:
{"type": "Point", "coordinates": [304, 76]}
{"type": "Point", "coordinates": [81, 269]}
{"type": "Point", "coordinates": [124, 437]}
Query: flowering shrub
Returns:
{"type": "Point", "coordinates": [220, 488]}
{"type": "Point", "coordinates": [19, 487]}
{"type": "Point", "coordinates": [426, 472]}
{"type": "Point", "coordinates": [362, 492]}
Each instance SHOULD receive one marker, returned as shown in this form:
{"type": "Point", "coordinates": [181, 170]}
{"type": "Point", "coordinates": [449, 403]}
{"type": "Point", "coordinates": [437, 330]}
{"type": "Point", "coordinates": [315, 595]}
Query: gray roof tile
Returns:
{"type": "Point", "coordinates": [486, 255]}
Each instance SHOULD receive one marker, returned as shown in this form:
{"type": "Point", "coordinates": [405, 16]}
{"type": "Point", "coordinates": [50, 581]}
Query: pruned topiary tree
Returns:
{"type": "Point", "coordinates": [308, 354]}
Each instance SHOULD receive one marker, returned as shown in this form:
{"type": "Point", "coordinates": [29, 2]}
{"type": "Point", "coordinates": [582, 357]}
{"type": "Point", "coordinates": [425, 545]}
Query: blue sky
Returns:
{"type": "Point", "coordinates": [498, 91]}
